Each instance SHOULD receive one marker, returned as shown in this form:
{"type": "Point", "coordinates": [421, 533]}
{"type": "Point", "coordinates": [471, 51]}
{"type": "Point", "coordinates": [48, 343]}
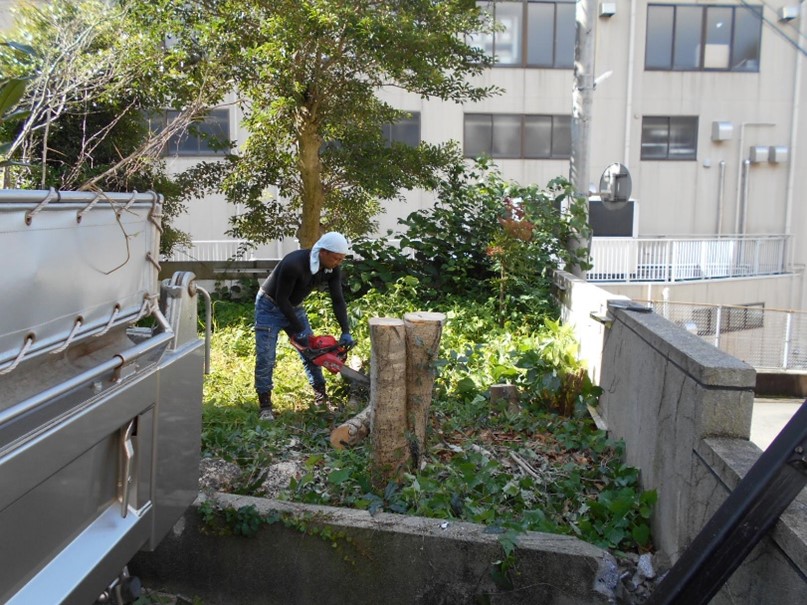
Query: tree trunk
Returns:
{"type": "Point", "coordinates": [352, 431]}
{"type": "Point", "coordinates": [388, 398]}
{"type": "Point", "coordinates": [311, 193]}
{"type": "Point", "coordinates": [423, 332]}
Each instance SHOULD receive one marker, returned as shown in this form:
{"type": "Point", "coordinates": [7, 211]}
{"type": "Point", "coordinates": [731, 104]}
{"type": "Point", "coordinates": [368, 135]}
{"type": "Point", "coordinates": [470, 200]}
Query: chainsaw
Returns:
{"type": "Point", "coordinates": [325, 351]}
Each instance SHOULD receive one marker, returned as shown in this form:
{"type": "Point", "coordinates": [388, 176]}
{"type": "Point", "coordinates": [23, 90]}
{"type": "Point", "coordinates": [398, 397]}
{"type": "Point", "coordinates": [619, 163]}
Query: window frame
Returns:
{"type": "Point", "coordinates": [489, 42]}
{"type": "Point", "coordinates": [658, 34]}
{"type": "Point", "coordinates": [388, 131]}
{"type": "Point", "coordinates": [174, 146]}
{"type": "Point", "coordinates": [557, 122]}
{"type": "Point", "coordinates": [669, 140]}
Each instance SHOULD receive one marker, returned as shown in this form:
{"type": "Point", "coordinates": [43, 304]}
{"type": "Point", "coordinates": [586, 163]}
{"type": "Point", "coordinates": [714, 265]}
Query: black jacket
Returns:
{"type": "Point", "coordinates": [291, 281]}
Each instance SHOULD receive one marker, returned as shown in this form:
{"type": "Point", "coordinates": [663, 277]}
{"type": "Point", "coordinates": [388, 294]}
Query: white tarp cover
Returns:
{"type": "Point", "coordinates": [78, 256]}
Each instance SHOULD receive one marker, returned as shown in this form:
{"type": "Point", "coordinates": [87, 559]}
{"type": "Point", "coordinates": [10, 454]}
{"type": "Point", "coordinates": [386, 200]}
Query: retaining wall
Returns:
{"type": "Point", "coordinates": [684, 410]}
{"type": "Point", "coordinates": [336, 555]}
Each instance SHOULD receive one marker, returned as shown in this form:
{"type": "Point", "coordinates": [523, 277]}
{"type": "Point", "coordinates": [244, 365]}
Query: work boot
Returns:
{"type": "Point", "coordinates": [265, 401]}
{"type": "Point", "coordinates": [321, 399]}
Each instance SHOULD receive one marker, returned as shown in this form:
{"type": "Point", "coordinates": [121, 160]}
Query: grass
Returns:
{"type": "Point", "coordinates": [512, 469]}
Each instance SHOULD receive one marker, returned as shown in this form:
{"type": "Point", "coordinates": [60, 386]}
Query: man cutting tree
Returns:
{"type": "Point", "coordinates": [278, 306]}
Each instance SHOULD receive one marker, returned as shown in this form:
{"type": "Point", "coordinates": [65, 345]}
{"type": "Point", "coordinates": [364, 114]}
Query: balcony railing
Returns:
{"type": "Point", "coordinates": [615, 259]}
{"type": "Point", "coordinates": [619, 259]}
{"type": "Point", "coordinates": [212, 250]}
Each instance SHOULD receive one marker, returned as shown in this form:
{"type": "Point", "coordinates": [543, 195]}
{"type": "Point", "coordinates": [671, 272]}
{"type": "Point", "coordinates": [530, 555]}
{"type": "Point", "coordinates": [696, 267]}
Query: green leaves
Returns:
{"type": "Point", "coordinates": [513, 468]}
{"type": "Point", "coordinates": [11, 91]}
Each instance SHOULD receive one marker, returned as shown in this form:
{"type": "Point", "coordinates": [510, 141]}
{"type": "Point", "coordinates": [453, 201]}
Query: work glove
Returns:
{"type": "Point", "coordinates": [346, 340]}
{"type": "Point", "coordinates": [301, 338]}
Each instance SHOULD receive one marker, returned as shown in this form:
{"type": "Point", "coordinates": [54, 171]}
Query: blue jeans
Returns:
{"type": "Point", "coordinates": [269, 321]}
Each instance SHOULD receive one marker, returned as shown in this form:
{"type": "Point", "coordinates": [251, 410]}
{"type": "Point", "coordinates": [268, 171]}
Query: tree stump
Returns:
{"type": "Point", "coordinates": [423, 333]}
{"type": "Point", "coordinates": [504, 397]}
{"type": "Point", "coordinates": [388, 398]}
{"type": "Point", "coordinates": [352, 431]}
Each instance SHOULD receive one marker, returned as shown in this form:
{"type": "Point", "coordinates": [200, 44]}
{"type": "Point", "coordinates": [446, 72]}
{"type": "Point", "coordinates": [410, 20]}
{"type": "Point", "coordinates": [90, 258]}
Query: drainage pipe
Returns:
{"type": "Point", "coordinates": [797, 294]}
{"type": "Point", "coordinates": [629, 84]}
{"type": "Point", "coordinates": [738, 225]}
{"type": "Point", "coordinates": [721, 194]}
{"type": "Point", "coordinates": [742, 219]}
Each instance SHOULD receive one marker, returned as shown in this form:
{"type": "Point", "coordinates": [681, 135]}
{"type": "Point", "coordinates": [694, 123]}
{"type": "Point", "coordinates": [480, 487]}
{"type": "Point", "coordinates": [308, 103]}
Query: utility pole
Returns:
{"type": "Point", "coordinates": [582, 98]}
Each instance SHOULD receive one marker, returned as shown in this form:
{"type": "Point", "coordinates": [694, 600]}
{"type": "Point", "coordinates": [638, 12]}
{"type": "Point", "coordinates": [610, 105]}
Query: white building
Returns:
{"type": "Point", "coordinates": [703, 102]}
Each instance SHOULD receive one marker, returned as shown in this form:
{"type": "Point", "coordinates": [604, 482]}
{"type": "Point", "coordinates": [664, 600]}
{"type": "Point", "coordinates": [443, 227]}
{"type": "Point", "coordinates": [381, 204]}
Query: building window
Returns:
{"type": "Point", "coordinates": [703, 38]}
{"type": "Point", "coordinates": [534, 34]}
{"type": "Point", "coordinates": [406, 131]}
{"type": "Point", "coordinates": [517, 136]}
{"type": "Point", "coordinates": [669, 138]}
{"type": "Point", "coordinates": [209, 136]}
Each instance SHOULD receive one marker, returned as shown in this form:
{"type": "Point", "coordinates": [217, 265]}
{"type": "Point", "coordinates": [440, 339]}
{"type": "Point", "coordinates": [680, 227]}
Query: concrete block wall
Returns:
{"type": "Point", "coordinates": [334, 556]}
{"type": "Point", "coordinates": [683, 409]}
{"type": "Point", "coordinates": [775, 571]}
{"type": "Point", "coordinates": [664, 390]}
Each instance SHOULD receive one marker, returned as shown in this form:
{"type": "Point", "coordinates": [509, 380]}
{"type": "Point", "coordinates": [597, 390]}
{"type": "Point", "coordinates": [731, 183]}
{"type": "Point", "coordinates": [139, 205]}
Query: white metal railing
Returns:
{"type": "Point", "coordinates": [662, 259]}
{"type": "Point", "coordinates": [767, 339]}
{"type": "Point", "coordinates": [213, 250]}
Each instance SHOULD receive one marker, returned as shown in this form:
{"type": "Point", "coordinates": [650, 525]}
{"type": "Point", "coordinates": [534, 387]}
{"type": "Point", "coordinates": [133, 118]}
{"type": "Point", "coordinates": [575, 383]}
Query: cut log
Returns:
{"type": "Point", "coordinates": [423, 332]}
{"type": "Point", "coordinates": [388, 398]}
{"type": "Point", "coordinates": [352, 431]}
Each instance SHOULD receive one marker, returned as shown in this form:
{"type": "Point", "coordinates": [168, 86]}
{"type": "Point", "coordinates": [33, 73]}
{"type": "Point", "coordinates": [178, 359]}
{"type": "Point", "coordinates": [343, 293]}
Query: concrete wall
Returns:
{"type": "Point", "coordinates": [684, 410]}
{"type": "Point", "coordinates": [583, 306]}
{"type": "Point", "coordinates": [665, 390]}
{"type": "Point", "coordinates": [333, 555]}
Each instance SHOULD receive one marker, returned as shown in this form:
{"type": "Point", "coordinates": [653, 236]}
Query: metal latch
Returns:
{"type": "Point", "coordinates": [125, 476]}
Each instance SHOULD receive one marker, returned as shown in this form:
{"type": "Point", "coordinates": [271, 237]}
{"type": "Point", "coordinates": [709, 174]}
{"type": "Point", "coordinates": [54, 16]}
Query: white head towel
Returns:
{"type": "Point", "coordinates": [331, 241]}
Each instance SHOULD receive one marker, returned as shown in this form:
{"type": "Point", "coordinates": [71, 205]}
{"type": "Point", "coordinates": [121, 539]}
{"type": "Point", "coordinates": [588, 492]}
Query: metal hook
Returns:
{"type": "Point", "coordinates": [29, 340]}
{"type": "Point", "coordinates": [128, 203]}
{"type": "Point", "coordinates": [115, 312]}
{"type": "Point", "coordinates": [29, 216]}
{"type": "Point", "coordinates": [150, 258]}
{"type": "Point", "coordinates": [88, 207]}
{"type": "Point", "coordinates": [79, 321]}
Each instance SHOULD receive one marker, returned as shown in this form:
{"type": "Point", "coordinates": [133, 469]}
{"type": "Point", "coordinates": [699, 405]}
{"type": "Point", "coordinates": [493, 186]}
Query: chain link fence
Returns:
{"type": "Point", "coordinates": [767, 339]}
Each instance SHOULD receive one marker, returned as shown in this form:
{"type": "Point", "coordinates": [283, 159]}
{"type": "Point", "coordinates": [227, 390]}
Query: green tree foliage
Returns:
{"type": "Point", "coordinates": [12, 90]}
{"type": "Point", "coordinates": [309, 72]}
{"type": "Point", "coordinates": [93, 75]}
{"type": "Point", "coordinates": [485, 239]}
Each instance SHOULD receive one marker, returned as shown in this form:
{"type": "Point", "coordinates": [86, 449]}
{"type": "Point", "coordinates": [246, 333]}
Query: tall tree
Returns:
{"type": "Point", "coordinates": [309, 72]}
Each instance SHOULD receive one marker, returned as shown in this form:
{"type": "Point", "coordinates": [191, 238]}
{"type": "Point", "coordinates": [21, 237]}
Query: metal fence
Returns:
{"type": "Point", "coordinates": [767, 339]}
{"type": "Point", "coordinates": [621, 259]}
{"type": "Point", "coordinates": [212, 250]}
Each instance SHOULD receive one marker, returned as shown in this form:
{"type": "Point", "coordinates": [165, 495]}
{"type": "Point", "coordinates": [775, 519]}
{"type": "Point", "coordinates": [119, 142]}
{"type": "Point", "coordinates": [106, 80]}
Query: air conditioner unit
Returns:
{"type": "Point", "coordinates": [607, 9]}
{"type": "Point", "coordinates": [758, 153]}
{"type": "Point", "coordinates": [778, 154]}
{"type": "Point", "coordinates": [788, 13]}
{"type": "Point", "coordinates": [722, 131]}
